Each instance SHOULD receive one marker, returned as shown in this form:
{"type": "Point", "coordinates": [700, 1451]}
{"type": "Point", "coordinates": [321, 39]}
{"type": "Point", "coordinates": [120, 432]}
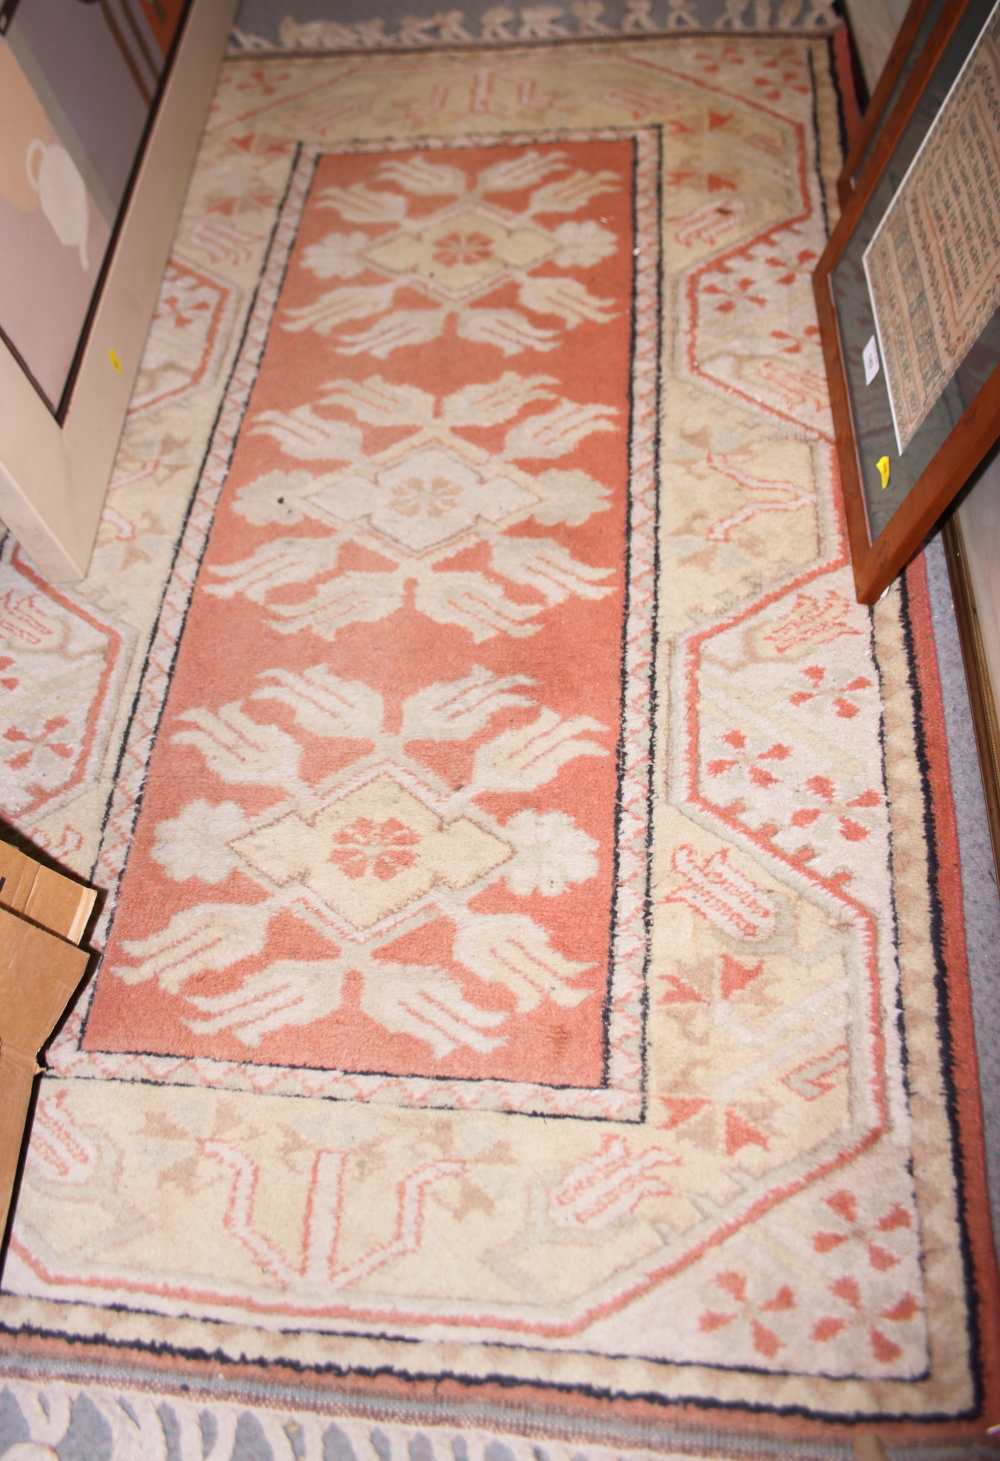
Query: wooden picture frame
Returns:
{"type": "Point", "coordinates": [911, 46]}
{"type": "Point", "coordinates": [55, 466]}
{"type": "Point", "coordinates": [941, 450]}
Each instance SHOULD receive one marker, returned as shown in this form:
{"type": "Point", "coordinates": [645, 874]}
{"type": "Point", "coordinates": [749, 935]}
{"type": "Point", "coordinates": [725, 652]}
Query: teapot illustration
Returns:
{"type": "Point", "coordinates": [61, 192]}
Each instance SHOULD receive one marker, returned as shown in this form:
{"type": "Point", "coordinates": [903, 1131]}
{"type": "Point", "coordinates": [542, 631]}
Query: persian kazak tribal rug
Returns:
{"type": "Point", "coordinates": [532, 1007]}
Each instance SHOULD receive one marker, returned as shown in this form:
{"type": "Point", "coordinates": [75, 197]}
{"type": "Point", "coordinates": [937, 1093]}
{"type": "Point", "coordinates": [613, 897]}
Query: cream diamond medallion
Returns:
{"type": "Point", "coordinates": [461, 252]}
{"type": "Point", "coordinates": [373, 852]}
{"type": "Point", "coordinates": [425, 499]}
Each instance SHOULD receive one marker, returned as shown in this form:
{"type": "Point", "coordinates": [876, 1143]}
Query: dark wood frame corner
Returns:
{"type": "Point", "coordinates": [877, 563]}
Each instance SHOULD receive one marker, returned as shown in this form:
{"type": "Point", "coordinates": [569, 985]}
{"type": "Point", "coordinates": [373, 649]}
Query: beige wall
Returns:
{"type": "Point", "coordinates": [875, 23]}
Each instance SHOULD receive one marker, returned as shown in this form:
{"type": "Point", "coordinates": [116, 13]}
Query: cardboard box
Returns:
{"type": "Point", "coordinates": [42, 918]}
{"type": "Point", "coordinates": [49, 899]}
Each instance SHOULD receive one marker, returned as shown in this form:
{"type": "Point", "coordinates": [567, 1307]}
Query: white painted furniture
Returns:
{"type": "Point", "coordinates": [53, 478]}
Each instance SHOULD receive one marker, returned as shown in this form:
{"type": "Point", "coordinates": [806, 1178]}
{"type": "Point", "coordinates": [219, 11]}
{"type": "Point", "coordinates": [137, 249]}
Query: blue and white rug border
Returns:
{"type": "Point", "coordinates": [258, 31]}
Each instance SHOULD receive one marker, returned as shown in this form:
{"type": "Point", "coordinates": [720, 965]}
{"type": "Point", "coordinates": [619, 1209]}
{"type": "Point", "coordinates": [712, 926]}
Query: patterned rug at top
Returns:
{"type": "Point", "coordinates": [525, 964]}
{"type": "Point", "coordinates": [267, 25]}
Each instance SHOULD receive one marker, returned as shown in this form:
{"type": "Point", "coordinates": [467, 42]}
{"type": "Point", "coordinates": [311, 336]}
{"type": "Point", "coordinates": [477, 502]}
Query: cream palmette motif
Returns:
{"type": "Point", "coordinates": [62, 194]}
{"type": "Point", "coordinates": [465, 249]}
{"type": "Point", "coordinates": [417, 502]}
{"type": "Point", "coordinates": [363, 861]}
{"type": "Point", "coordinates": [420, 499]}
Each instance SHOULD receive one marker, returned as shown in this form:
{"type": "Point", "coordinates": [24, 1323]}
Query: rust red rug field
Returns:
{"type": "Point", "coordinates": [408, 824]}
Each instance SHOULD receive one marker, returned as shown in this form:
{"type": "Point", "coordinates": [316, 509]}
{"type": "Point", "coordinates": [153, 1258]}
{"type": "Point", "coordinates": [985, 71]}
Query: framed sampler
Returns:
{"type": "Point", "coordinates": [971, 529]}
{"type": "Point", "coordinates": [102, 103]}
{"type": "Point", "coordinates": [908, 295]}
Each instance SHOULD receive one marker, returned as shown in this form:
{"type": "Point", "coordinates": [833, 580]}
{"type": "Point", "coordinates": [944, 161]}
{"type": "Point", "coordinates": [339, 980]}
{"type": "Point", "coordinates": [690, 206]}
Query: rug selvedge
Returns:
{"type": "Point", "coordinates": [775, 1219]}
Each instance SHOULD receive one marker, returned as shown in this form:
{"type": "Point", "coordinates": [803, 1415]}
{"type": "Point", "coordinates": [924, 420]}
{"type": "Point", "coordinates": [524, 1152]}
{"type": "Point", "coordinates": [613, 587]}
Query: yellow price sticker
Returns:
{"type": "Point", "coordinates": [883, 471]}
{"type": "Point", "coordinates": [113, 357]}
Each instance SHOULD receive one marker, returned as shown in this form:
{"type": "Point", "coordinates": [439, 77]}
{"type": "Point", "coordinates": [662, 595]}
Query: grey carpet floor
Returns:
{"type": "Point", "coordinates": [979, 880]}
